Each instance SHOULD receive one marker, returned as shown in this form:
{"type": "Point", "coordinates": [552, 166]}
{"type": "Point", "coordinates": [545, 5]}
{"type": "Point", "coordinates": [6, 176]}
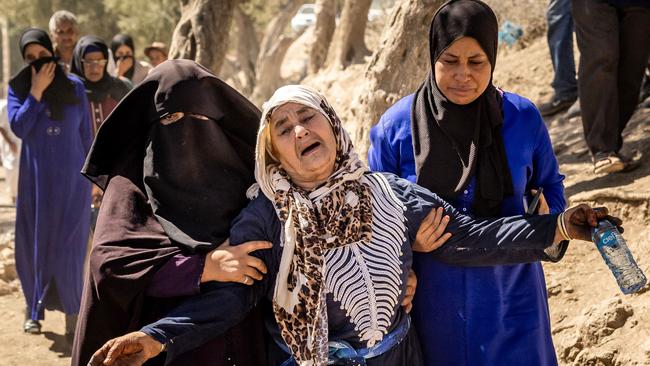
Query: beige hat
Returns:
{"type": "Point", "coordinates": [160, 46]}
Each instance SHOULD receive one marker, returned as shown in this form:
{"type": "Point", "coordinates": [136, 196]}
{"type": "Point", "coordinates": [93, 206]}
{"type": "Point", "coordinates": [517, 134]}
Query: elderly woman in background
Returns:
{"type": "Point", "coordinates": [127, 67]}
{"type": "Point", "coordinates": [48, 111]}
{"type": "Point", "coordinates": [89, 62]}
{"type": "Point", "coordinates": [481, 149]}
{"type": "Point", "coordinates": [342, 249]}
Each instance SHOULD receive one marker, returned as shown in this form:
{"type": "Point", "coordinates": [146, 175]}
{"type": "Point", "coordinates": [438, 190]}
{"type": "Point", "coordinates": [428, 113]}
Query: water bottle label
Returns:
{"type": "Point", "coordinates": [608, 239]}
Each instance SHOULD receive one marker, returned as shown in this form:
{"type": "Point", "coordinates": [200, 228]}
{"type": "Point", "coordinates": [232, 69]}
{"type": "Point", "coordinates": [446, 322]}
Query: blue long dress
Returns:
{"type": "Point", "coordinates": [53, 204]}
{"type": "Point", "coordinates": [491, 315]}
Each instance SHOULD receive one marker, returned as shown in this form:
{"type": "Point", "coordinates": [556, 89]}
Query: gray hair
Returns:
{"type": "Point", "coordinates": [60, 17]}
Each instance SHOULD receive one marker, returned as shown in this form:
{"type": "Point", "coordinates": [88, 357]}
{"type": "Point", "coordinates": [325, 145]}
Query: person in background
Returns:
{"type": "Point", "coordinates": [126, 64]}
{"type": "Point", "coordinates": [157, 53]}
{"type": "Point", "coordinates": [560, 45]}
{"type": "Point", "coordinates": [483, 150]}
{"type": "Point", "coordinates": [89, 62]}
{"type": "Point", "coordinates": [614, 42]}
{"type": "Point", "coordinates": [9, 152]}
{"type": "Point", "coordinates": [64, 30]}
{"type": "Point", "coordinates": [48, 111]}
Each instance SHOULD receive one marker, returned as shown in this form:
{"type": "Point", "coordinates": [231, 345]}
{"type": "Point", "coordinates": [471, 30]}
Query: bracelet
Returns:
{"type": "Point", "coordinates": [163, 347]}
{"type": "Point", "coordinates": [561, 227]}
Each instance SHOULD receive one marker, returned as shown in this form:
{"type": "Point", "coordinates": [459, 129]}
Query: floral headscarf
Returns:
{"type": "Point", "coordinates": [337, 213]}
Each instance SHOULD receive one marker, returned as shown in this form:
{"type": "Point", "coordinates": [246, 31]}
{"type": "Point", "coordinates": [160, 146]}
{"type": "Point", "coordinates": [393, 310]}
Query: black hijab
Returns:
{"type": "Point", "coordinates": [60, 92]}
{"type": "Point", "coordinates": [96, 91]}
{"type": "Point", "coordinates": [454, 142]}
{"type": "Point", "coordinates": [194, 172]}
{"type": "Point", "coordinates": [121, 40]}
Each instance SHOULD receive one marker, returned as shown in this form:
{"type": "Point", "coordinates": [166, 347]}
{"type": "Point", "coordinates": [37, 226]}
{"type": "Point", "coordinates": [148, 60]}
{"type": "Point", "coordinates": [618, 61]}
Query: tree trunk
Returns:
{"type": "Point", "coordinates": [397, 68]}
{"type": "Point", "coordinates": [348, 45]}
{"type": "Point", "coordinates": [323, 31]}
{"type": "Point", "coordinates": [273, 47]}
{"type": "Point", "coordinates": [202, 32]}
{"type": "Point", "coordinates": [247, 50]}
{"type": "Point", "coordinates": [268, 71]}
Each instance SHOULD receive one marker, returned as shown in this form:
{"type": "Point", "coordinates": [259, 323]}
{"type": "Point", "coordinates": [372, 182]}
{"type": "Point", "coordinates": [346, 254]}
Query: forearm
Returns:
{"type": "Point", "coordinates": [517, 232]}
{"type": "Point", "coordinates": [24, 116]}
{"type": "Point", "coordinates": [203, 317]}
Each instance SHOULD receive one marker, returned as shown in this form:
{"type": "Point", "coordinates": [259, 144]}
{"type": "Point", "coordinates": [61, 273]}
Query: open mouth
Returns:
{"type": "Point", "coordinates": [310, 148]}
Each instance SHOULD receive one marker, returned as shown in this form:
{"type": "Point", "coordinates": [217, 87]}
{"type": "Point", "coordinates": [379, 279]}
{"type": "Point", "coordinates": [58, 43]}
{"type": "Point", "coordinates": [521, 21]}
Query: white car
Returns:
{"type": "Point", "coordinates": [305, 17]}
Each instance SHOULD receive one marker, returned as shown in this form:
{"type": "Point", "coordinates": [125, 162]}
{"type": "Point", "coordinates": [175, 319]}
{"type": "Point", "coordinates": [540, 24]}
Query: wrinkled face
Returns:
{"type": "Point", "coordinates": [93, 63]}
{"type": "Point", "coordinates": [35, 51]}
{"type": "Point", "coordinates": [303, 140]}
{"type": "Point", "coordinates": [463, 71]}
{"type": "Point", "coordinates": [156, 57]}
{"type": "Point", "coordinates": [65, 36]}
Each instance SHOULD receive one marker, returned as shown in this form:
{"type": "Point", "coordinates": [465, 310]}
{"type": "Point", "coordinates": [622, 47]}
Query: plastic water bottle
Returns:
{"type": "Point", "coordinates": [618, 257]}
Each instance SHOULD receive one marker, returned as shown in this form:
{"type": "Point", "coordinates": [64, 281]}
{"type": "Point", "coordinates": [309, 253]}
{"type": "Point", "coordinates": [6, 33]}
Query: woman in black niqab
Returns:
{"type": "Point", "coordinates": [175, 159]}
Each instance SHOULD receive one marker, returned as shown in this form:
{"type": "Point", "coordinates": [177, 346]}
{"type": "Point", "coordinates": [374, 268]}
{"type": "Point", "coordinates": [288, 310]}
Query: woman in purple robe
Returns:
{"type": "Point", "coordinates": [48, 111]}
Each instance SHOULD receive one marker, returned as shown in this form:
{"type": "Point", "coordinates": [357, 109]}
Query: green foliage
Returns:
{"type": "Point", "coordinates": [145, 21]}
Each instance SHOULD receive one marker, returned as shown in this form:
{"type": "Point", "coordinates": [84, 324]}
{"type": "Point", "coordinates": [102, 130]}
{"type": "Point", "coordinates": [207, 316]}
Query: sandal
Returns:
{"type": "Point", "coordinates": [32, 326]}
{"type": "Point", "coordinates": [613, 163]}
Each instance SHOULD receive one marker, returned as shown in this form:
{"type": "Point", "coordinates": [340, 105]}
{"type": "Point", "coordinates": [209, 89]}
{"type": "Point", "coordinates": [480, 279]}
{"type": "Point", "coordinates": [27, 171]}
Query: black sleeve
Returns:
{"type": "Point", "coordinates": [481, 241]}
{"type": "Point", "coordinates": [220, 306]}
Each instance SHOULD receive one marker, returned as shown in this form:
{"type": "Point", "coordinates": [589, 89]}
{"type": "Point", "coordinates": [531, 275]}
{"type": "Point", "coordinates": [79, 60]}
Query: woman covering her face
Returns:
{"type": "Point", "coordinates": [481, 149]}
{"type": "Point", "coordinates": [48, 111]}
{"type": "Point", "coordinates": [342, 250]}
{"type": "Point", "coordinates": [174, 160]}
{"type": "Point", "coordinates": [127, 66]}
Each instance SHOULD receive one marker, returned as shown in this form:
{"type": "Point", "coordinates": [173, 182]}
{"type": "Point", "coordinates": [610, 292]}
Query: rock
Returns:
{"type": "Point", "coordinates": [8, 271]}
{"type": "Point", "coordinates": [5, 288]}
{"type": "Point", "coordinates": [6, 253]}
{"type": "Point", "coordinates": [596, 357]}
{"type": "Point", "coordinates": [553, 289]}
{"type": "Point", "coordinates": [599, 321]}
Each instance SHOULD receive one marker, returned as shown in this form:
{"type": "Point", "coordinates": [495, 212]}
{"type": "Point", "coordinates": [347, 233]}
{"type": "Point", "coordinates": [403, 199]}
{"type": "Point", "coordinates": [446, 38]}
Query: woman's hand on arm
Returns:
{"type": "Point", "coordinates": [132, 349]}
{"type": "Point", "coordinates": [580, 220]}
{"type": "Point", "coordinates": [234, 263]}
{"type": "Point", "coordinates": [431, 234]}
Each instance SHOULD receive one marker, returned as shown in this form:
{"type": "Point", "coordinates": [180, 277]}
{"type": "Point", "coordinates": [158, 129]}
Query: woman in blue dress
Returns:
{"type": "Point", "coordinates": [48, 111]}
{"type": "Point", "coordinates": [481, 149]}
{"type": "Point", "coordinates": [341, 250]}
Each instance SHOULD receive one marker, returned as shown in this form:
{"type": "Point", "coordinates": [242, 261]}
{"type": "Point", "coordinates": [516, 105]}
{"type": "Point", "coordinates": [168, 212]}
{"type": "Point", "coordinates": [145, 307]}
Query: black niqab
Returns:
{"type": "Point", "coordinates": [61, 90]}
{"type": "Point", "coordinates": [96, 91]}
{"type": "Point", "coordinates": [195, 172]}
{"type": "Point", "coordinates": [122, 40]}
{"type": "Point", "coordinates": [461, 140]}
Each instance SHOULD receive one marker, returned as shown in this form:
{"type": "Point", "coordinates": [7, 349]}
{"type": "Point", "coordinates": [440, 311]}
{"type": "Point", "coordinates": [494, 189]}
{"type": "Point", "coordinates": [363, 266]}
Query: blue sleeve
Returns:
{"type": "Point", "coordinates": [480, 241]}
{"type": "Point", "coordinates": [546, 169]}
{"type": "Point", "coordinates": [85, 128]}
{"type": "Point", "coordinates": [391, 145]}
{"type": "Point", "coordinates": [23, 114]}
{"type": "Point", "coordinates": [219, 306]}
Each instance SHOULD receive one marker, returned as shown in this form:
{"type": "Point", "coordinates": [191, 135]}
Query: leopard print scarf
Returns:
{"type": "Point", "coordinates": [337, 213]}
